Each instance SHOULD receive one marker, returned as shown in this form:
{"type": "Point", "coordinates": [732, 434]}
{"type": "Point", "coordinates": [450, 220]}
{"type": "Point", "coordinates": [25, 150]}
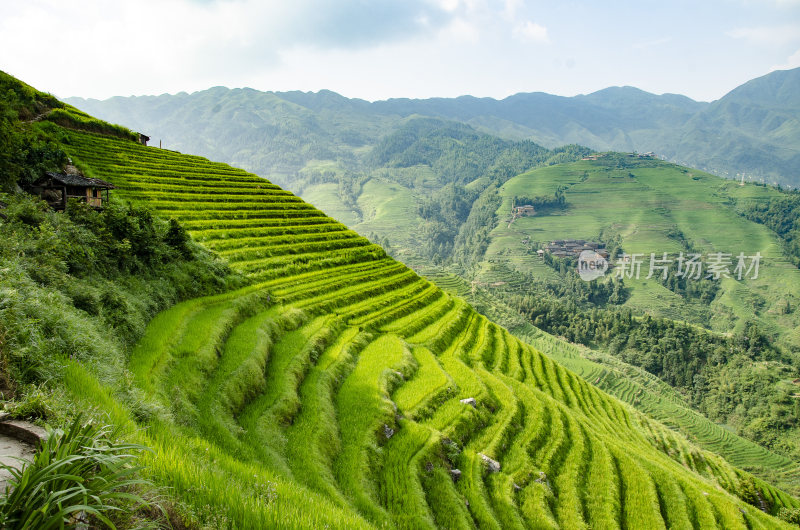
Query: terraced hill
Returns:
{"type": "Point", "coordinates": [328, 392]}
{"type": "Point", "coordinates": [630, 384]}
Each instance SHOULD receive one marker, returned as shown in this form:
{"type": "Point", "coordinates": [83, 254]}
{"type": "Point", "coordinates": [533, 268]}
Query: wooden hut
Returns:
{"type": "Point", "coordinates": [525, 210]}
{"type": "Point", "coordinates": [56, 188]}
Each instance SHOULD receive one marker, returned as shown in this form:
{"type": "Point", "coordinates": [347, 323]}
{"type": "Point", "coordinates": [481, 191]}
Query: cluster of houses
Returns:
{"type": "Point", "coordinates": [598, 156]}
{"type": "Point", "coordinates": [562, 248]}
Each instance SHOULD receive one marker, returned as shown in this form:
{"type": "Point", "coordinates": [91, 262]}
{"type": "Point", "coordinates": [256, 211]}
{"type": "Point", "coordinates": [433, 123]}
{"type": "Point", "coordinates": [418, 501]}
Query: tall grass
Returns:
{"type": "Point", "coordinates": [79, 470]}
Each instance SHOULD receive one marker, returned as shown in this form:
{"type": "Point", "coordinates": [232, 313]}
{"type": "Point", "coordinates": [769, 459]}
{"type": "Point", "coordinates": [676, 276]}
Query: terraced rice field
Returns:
{"type": "Point", "coordinates": [651, 395]}
{"type": "Point", "coordinates": [329, 392]}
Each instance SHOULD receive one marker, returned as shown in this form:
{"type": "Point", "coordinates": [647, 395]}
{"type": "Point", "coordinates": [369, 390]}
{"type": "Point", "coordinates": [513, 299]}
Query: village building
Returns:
{"type": "Point", "coordinates": [143, 139]}
{"type": "Point", "coordinates": [57, 188]}
{"type": "Point", "coordinates": [573, 247]}
{"type": "Point", "coordinates": [525, 210]}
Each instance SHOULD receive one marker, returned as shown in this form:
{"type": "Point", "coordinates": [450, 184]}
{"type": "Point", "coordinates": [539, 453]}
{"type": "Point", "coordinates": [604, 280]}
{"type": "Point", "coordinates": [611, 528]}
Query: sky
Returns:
{"type": "Point", "coordinates": [379, 49]}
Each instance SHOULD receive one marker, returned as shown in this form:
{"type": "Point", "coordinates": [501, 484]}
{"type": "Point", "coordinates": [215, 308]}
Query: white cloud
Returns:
{"type": "Point", "coordinates": [461, 29]}
{"type": "Point", "coordinates": [768, 35]}
{"type": "Point", "coordinates": [531, 31]}
{"type": "Point", "coordinates": [793, 61]}
{"type": "Point", "coordinates": [149, 46]}
{"type": "Point", "coordinates": [449, 5]}
{"type": "Point", "coordinates": [510, 8]}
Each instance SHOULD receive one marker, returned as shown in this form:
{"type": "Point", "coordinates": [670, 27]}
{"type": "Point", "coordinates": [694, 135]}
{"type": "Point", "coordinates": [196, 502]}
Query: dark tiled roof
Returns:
{"type": "Point", "coordinates": [77, 180]}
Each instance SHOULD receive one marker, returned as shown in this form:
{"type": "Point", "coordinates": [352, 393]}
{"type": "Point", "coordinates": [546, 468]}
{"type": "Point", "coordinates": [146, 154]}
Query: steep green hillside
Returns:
{"type": "Point", "coordinates": [328, 392]}
{"type": "Point", "coordinates": [650, 206]}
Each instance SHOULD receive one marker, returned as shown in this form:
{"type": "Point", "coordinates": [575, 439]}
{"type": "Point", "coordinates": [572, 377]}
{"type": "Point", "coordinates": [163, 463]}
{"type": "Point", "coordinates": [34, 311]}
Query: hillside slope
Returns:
{"type": "Point", "coordinates": [328, 392]}
{"type": "Point", "coordinates": [649, 206]}
{"type": "Point", "coordinates": [630, 384]}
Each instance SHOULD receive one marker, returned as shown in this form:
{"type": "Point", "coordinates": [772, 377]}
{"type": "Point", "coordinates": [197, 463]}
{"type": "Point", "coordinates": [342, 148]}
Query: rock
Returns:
{"type": "Point", "coordinates": [493, 465]}
{"type": "Point", "coordinates": [455, 474]}
{"type": "Point", "coordinates": [387, 431]}
{"type": "Point", "coordinates": [79, 520]}
{"type": "Point", "coordinates": [470, 401]}
{"type": "Point", "coordinates": [517, 486]}
{"type": "Point", "coordinates": [23, 430]}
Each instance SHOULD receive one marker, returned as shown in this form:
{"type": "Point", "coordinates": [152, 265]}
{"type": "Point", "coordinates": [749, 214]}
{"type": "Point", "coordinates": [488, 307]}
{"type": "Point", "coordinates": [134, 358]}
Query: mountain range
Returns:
{"type": "Point", "coordinates": [753, 131]}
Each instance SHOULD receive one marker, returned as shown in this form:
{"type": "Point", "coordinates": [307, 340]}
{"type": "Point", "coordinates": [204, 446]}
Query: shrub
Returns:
{"type": "Point", "coordinates": [790, 515]}
{"type": "Point", "coordinates": [78, 470]}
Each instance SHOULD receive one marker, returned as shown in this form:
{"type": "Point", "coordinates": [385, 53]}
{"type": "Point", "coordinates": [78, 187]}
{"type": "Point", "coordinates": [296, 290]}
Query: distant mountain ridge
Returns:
{"type": "Point", "coordinates": [753, 130]}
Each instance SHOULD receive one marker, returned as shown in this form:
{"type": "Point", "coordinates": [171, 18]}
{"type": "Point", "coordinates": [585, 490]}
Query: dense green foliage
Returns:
{"type": "Point", "coordinates": [470, 244]}
{"type": "Point", "coordinates": [29, 147]}
{"type": "Point", "coordinates": [25, 153]}
{"type": "Point", "coordinates": [543, 203]}
{"type": "Point", "coordinates": [672, 350]}
{"type": "Point", "coordinates": [87, 282]}
{"type": "Point", "coordinates": [782, 215]}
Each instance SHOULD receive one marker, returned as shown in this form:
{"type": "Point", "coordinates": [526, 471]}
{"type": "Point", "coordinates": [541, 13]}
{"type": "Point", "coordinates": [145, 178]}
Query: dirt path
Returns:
{"type": "Point", "coordinates": [38, 117]}
{"type": "Point", "coordinates": [11, 451]}
{"type": "Point", "coordinates": [18, 440]}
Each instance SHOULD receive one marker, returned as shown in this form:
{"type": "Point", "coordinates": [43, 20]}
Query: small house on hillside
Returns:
{"type": "Point", "coordinates": [143, 139]}
{"type": "Point", "coordinates": [524, 210]}
{"type": "Point", "coordinates": [56, 188]}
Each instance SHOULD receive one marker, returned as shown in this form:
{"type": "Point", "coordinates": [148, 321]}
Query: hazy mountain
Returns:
{"type": "Point", "coordinates": [755, 129]}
